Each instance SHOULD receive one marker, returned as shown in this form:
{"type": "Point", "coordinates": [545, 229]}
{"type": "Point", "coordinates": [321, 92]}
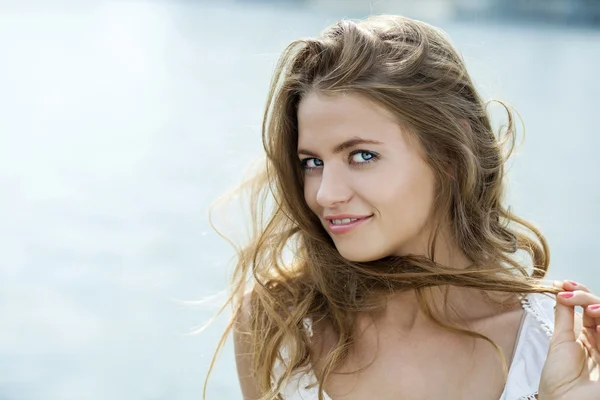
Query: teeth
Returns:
{"type": "Point", "coordinates": [343, 221]}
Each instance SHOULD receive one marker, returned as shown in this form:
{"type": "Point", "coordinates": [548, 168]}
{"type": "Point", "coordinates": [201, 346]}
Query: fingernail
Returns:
{"type": "Point", "coordinates": [566, 295]}
{"type": "Point", "coordinates": [594, 307]}
{"type": "Point", "coordinates": [573, 283]}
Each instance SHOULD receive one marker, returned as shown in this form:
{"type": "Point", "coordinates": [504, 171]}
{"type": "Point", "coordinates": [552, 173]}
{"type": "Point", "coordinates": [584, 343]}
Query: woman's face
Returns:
{"type": "Point", "coordinates": [364, 178]}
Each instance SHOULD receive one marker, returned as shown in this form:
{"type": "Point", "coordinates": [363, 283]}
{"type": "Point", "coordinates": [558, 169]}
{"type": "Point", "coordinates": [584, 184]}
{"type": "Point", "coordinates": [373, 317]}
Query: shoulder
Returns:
{"type": "Point", "coordinates": [243, 348]}
{"type": "Point", "coordinates": [322, 340]}
{"type": "Point", "coordinates": [242, 322]}
{"type": "Point", "coordinates": [243, 315]}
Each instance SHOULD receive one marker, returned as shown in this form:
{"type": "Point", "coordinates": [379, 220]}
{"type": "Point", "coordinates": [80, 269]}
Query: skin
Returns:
{"type": "Point", "coordinates": [386, 178]}
{"type": "Point", "coordinates": [383, 175]}
{"type": "Point", "coordinates": [389, 180]}
{"type": "Point", "coordinates": [572, 369]}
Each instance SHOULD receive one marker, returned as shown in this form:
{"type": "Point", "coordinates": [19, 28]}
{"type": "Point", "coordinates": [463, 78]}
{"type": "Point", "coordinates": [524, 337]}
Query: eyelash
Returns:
{"type": "Point", "coordinates": [374, 157]}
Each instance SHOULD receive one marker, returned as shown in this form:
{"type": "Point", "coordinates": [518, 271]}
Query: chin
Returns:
{"type": "Point", "coordinates": [362, 255]}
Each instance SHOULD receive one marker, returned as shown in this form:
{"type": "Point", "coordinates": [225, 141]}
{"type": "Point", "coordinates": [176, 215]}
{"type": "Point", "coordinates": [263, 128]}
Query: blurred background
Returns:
{"type": "Point", "coordinates": [122, 121]}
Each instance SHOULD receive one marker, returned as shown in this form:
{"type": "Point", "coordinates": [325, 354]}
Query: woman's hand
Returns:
{"type": "Point", "coordinates": [572, 369]}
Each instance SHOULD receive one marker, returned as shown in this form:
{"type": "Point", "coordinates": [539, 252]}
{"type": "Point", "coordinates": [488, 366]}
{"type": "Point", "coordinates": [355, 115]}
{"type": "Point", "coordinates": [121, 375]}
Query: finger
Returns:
{"type": "Point", "coordinates": [587, 340]}
{"type": "Point", "coordinates": [564, 324]}
{"type": "Point", "coordinates": [593, 311]}
{"type": "Point", "coordinates": [582, 299]}
{"type": "Point", "coordinates": [559, 284]}
{"type": "Point", "coordinates": [590, 340]}
{"type": "Point", "coordinates": [577, 298]}
{"type": "Point", "coordinates": [572, 285]}
{"type": "Point", "coordinates": [591, 317]}
{"type": "Point", "coordinates": [591, 322]}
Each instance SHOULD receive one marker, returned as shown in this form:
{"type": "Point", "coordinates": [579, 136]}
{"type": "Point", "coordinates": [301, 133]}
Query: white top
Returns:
{"type": "Point", "coordinates": [525, 370]}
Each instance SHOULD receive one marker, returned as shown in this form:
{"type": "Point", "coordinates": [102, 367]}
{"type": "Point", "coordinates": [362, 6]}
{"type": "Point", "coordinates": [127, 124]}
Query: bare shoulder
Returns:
{"type": "Point", "coordinates": [244, 352]}
{"type": "Point", "coordinates": [322, 341]}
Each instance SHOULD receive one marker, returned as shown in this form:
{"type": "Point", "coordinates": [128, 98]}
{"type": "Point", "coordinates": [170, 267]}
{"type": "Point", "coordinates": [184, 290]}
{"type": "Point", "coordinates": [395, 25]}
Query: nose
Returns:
{"type": "Point", "coordinates": [333, 189]}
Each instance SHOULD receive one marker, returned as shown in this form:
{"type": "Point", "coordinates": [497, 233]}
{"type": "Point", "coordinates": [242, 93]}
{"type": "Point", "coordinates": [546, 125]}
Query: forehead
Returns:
{"type": "Point", "coordinates": [330, 118]}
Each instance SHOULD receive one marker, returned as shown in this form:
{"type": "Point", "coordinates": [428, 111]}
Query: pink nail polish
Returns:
{"type": "Point", "coordinates": [573, 283]}
{"type": "Point", "coordinates": [594, 307]}
{"type": "Point", "coordinates": [566, 295]}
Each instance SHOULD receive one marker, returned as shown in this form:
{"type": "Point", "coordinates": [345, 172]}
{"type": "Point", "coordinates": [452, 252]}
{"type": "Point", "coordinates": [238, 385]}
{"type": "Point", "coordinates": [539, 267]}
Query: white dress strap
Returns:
{"type": "Point", "coordinates": [531, 348]}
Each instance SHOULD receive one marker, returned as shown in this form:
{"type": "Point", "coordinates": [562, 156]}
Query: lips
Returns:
{"type": "Point", "coordinates": [339, 224]}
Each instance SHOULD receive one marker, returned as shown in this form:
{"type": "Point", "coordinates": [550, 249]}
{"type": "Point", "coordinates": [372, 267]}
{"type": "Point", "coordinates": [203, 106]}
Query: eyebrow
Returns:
{"type": "Point", "coordinates": [355, 141]}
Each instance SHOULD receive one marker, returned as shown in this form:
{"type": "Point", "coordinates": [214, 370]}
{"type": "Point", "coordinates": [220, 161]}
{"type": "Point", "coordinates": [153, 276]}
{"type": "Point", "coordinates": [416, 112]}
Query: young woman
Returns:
{"type": "Point", "coordinates": [383, 263]}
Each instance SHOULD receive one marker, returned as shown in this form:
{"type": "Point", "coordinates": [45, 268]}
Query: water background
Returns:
{"type": "Point", "coordinates": [120, 123]}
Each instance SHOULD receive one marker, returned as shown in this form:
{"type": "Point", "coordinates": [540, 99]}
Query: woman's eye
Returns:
{"type": "Point", "coordinates": [310, 163]}
{"type": "Point", "coordinates": [361, 157]}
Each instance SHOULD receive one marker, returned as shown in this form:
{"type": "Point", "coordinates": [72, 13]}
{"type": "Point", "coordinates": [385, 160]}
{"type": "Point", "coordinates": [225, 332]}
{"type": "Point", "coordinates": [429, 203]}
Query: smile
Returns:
{"type": "Point", "coordinates": [343, 225]}
{"type": "Point", "coordinates": [343, 221]}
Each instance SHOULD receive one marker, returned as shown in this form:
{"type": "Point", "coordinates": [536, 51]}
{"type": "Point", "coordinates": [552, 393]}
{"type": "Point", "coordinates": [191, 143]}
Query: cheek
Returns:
{"type": "Point", "coordinates": [310, 194]}
{"type": "Point", "coordinates": [408, 198]}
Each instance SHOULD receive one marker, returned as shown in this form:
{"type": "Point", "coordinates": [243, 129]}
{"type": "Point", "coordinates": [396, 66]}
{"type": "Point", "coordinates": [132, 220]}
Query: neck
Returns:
{"type": "Point", "coordinates": [449, 304]}
{"type": "Point", "coordinates": [447, 251]}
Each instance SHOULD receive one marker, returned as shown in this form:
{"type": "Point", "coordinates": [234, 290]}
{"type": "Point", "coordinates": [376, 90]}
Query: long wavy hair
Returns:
{"type": "Point", "coordinates": [290, 265]}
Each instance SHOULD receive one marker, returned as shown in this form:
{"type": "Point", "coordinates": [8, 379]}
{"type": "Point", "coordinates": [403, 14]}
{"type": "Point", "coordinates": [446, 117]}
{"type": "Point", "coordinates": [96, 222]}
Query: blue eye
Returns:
{"type": "Point", "coordinates": [362, 156]}
{"type": "Point", "coordinates": [357, 158]}
{"type": "Point", "coordinates": [311, 163]}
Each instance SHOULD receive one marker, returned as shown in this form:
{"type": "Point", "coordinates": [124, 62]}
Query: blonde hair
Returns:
{"type": "Point", "coordinates": [411, 69]}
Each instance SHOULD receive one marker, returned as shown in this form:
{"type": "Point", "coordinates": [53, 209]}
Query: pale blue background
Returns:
{"type": "Point", "coordinates": [121, 122]}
